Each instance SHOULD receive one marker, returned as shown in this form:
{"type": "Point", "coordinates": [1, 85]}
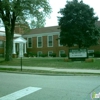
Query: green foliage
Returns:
{"type": "Point", "coordinates": [20, 12]}
{"type": "Point", "coordinates": [91, 54]}
{"type": "Point", "coordinates": [31, 54]}
{"type": "Point", "coordinates": [53, 55]}
{"type": "Point", "coordinates": [97, 54]}
{"type": "Point", "coordinates": [63, 55]}
{"type": "Point", "coordinates": [77, 25]}
{"type": "Point", "coordinates": [43, 55]}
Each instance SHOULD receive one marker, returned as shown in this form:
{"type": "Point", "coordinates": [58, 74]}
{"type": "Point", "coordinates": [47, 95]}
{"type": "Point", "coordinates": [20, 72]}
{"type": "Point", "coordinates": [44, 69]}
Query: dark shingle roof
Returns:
{"type": "Point", "coordinates": [44, 30]}
{"type": "Point", "coordinates": [49, 29]}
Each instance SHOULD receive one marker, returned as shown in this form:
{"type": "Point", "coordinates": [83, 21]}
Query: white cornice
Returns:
{"type": "Point", "coordinates": [41, 34]}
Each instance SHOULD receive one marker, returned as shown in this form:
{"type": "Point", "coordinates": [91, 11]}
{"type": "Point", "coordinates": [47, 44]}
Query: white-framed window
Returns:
{"type": "Point", "coordinates": [59, 41]}
{"type": "Point", "coordinates": [29, 42]}
{"type": "Point", "coordinates": [39, 42]}
{"type": "Point", "coordinates": [61, 52]}
{"type": "Point", "coordinates": [39, 53]}
{"type": "Point", "coordinates": [50, 53]}
{"type": "Point", "coordinates": [1, 44]}
{"type": "Point", "coordinates": [50, 41]}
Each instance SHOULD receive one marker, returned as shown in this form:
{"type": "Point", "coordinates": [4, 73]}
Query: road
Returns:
{"type": "Point", "coordinates": [52, 87]}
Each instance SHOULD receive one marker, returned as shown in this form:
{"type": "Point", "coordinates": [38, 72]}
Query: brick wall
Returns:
{"type": "Point", "coordinates": [56, 48]}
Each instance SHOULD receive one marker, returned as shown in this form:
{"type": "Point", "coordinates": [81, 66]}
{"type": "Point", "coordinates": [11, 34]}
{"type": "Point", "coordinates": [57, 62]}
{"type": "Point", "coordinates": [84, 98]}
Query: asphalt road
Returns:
{"type": "Point", "coordinates": [52, 87]}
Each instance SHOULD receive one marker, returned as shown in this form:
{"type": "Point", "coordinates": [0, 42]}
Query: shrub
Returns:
{"type": "Point", "coordinates": [89, 60]}
{"type": "Point", "coordinates": [31, 54]}
{"type": "Point", "coordinates": [63, 55]}
{"type": "Point", "coordinates": [53, 55]}
{"type": "Point", "coordinates": [97, 54]}
{"type": "Point", "coordinates": [67, 60]}
{"type": "Point", "coordinates": [43, 55]}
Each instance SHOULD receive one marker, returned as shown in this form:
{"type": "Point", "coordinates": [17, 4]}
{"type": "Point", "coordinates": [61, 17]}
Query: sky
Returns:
{"type": "Point", "coordinates": [58, 4]}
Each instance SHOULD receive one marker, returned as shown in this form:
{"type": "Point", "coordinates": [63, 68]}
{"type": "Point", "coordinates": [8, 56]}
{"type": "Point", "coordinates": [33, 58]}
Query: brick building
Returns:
{"type": "Point", "coordinates": [44, 41]}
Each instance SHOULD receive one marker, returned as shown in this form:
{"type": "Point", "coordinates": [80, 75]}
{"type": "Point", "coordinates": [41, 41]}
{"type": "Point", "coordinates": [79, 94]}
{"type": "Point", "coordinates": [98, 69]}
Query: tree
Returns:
{"type": "Point", "coordinates": [77, 25]}
{"type": "Point", "coordinates": [20, 11]}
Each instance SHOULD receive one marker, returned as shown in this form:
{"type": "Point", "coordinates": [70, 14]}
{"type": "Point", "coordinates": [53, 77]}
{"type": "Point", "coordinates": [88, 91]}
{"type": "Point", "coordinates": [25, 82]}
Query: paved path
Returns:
{"type": "Point", "coordinates": [56, 69]}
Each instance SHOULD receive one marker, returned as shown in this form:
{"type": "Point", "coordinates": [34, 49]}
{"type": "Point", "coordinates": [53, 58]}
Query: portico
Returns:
{"type": "Point", "coordinates": [19, 46]}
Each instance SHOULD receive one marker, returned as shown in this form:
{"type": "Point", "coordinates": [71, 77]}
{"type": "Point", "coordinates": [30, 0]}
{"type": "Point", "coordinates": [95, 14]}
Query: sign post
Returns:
{"type": "Point", "coordinates": [21, 53]}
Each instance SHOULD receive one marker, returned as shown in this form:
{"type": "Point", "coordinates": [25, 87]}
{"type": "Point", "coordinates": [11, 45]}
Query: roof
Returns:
{"type": "Point", "coordinates": [44, 30]}
{"type": "Point", "coordinates": [49, 29]}
{"type": "Point", "coordinates": [19, 40]}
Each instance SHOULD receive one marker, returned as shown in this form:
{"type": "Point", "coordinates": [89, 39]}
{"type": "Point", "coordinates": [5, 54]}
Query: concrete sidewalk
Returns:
{"type": "Point", "coordinates": [87, 71]}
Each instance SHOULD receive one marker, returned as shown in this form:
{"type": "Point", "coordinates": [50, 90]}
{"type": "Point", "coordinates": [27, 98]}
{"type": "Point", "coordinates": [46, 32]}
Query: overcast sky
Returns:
{"type": "Point", "coordinates": [57, 4]}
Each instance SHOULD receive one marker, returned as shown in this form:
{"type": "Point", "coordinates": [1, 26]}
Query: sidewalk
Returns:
{"type": "Point", "coordinates": [85, 71]}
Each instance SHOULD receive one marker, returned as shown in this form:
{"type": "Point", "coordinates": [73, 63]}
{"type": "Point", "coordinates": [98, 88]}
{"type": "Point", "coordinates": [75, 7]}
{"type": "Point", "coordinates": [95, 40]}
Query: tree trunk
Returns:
{"type": "Point", "coordinates": [9, 44]}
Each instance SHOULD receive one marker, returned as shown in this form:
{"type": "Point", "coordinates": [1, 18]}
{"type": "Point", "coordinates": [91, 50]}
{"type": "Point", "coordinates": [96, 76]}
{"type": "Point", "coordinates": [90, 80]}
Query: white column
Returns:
{"type": "Point", "coordinates": [20, 49]}
{"type": "Point", "coordinates": [14, 48]}
{"type": "Point", "coordinates": [25, 48]}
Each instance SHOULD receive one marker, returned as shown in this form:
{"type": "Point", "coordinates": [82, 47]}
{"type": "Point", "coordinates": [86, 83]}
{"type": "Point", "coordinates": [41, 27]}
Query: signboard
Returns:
{"type": "Point", "coordinates": [78, 53]}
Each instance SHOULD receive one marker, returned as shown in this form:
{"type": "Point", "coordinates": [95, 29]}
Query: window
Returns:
{"type": "Point", "coordinates": [50, 41]}
{"type": "Point", "coordinates": [39, 53]}
{"type": "Point", "coordinates": [39, 41]}
{"type": "Point", "coordinates": [1, 44]}
{"type": "Point", "coordinates": [50, 53]}
{"type": "Point", "coordinates": [61, 52]}
{"type": "Point", "coordinates": [29, 43]}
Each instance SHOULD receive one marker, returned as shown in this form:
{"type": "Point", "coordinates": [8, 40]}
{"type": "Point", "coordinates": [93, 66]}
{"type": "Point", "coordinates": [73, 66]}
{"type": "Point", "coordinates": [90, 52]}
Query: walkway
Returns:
{"type": "Point", "coordinates": [88, 71]}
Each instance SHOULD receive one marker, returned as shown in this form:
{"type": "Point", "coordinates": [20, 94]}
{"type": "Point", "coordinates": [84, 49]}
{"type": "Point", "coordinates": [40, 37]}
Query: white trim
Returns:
{"type": "Point", "coordinates": [41, 42]}
{"type": "Point", "coordinates": [48, 40]}
{"type": "Point", "coordinates": [41, 34]}
{"type": "Point", "coordinates": [25, 48]}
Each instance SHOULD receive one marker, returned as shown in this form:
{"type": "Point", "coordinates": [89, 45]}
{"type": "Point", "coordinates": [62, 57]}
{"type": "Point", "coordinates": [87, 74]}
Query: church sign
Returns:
{"type": "Point", "coordinates": [77, 54]}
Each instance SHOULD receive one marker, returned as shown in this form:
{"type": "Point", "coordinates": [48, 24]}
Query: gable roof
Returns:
{"type": "Point", "coordinates": [19, 40]}
{"type": "Point", "coordinates": [44, 30]}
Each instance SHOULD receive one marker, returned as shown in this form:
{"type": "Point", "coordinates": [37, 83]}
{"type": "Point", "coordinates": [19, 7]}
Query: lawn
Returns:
{"type": "Point", "coordinates": [52, 62]}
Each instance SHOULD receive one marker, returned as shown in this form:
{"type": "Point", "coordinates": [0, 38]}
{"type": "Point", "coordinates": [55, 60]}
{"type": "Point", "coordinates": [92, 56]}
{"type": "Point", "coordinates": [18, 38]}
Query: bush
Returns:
{"type": "Point", "coordinates": [63, 55]}
{"type": "Point", "coordinates": [89, 60]}
{"type": "Point", "coordinates": [31, 54]}
{"type": "Point", "coordinates": [43, 55]}
{"type": "Point", "coordinates": [67, 60]}
{"type": "Point", "coordinates": [97, 54]}
{"type": "Point", "coordinates": [53, 55]}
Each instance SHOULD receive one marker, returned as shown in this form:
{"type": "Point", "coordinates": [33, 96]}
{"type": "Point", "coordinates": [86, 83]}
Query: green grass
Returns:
{"type": "Point", "coordinates": [52, 62]}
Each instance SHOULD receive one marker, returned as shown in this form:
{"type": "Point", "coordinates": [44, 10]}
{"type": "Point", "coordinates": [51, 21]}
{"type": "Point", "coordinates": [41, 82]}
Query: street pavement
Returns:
{"type": "Point", "coordinates": [85, 71]}
{"type": "Point", "coordinates": [15, 86]}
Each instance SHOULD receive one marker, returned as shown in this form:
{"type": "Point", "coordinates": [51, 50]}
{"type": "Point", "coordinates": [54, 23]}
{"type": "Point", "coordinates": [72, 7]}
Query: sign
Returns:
{"type": "Point", "coordinates": [77, 53]}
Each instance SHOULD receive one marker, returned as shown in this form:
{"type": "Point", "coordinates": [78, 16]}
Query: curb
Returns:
{"type": "Point", "coordinates": [44, 72]}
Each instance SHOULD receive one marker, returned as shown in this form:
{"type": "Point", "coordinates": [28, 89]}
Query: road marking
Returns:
{"type": "Point", "coordinates": [21, 93]}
